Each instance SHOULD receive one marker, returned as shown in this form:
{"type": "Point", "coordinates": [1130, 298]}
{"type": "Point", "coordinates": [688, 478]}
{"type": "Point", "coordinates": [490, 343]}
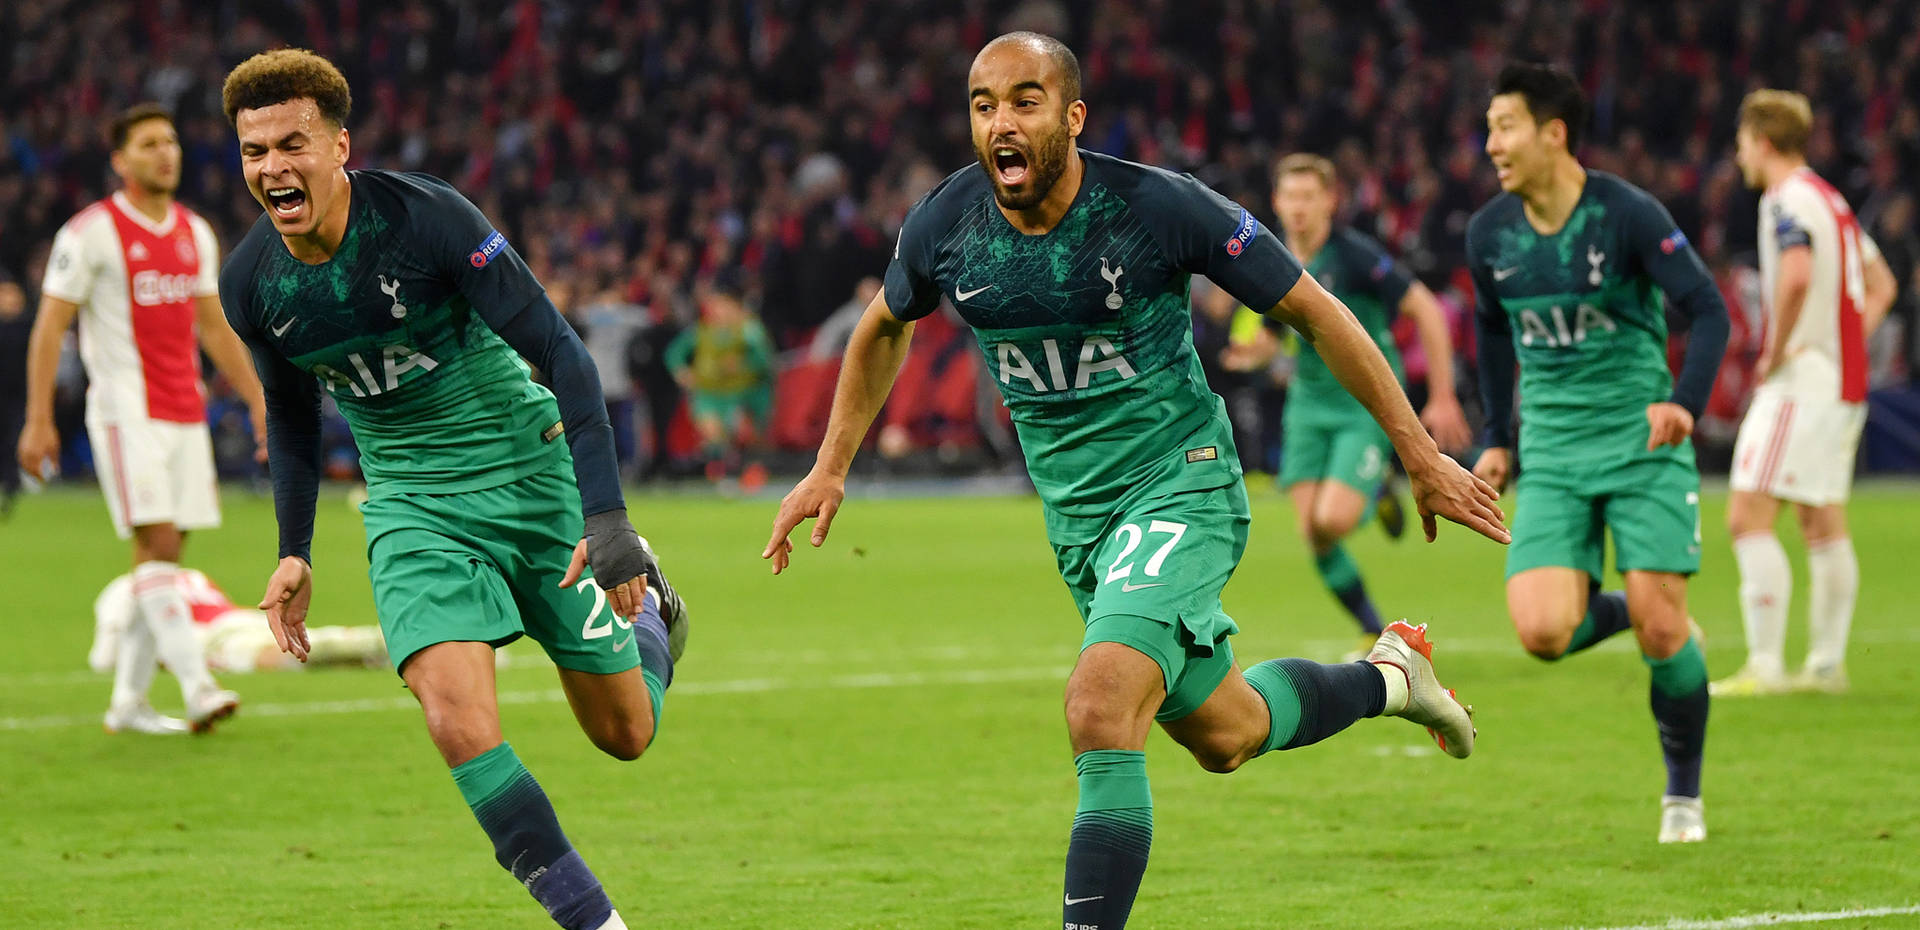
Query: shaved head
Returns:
{"type": "Point", "coordinates": [1066, 65]}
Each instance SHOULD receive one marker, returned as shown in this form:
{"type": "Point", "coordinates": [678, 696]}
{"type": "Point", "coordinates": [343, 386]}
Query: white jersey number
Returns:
{"type": "Point", "coordinates": [1130, 534]}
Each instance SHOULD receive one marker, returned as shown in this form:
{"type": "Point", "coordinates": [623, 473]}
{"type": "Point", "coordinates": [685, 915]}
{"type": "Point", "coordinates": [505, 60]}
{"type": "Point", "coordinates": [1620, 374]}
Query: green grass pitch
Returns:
{"type": "Point", "coordinates": [875, 741]}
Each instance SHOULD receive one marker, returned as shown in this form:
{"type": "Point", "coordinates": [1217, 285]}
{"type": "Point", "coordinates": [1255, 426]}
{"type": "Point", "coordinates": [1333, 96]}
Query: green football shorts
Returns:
{"type": "Point", "coordinates": [726, 406]}
{"type": "Point", "coordinates": [1352, 452]}
{"type": "Point", "coordinates": [1152, 581]}
{"type": "Point", "coordinates": [485, 566]}
{"type": "Point", "coordinates": [1652, 506]}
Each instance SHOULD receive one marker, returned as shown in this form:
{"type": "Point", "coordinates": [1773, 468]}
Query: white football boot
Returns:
{"type": "Point", "coordinates": [141, 718]}
{"type": "Point", "coordinates": [210, 707]}
{"type": "Point", "coordinates": [1749, 682]}
{"type": "Point", "coordinates": [1428, 703]}
{"type": "Point", "coordinates": [1826, 679]}
{"type": "Point", "coordinates": [1682, 820]}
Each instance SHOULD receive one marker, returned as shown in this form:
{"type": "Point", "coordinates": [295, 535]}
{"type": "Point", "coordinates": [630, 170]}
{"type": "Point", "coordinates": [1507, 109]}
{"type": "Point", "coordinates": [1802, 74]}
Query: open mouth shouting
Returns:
{"type": "Point", "coordinates": [288, 204]}
{"type": "Point", "coordinates": [1009, 165]}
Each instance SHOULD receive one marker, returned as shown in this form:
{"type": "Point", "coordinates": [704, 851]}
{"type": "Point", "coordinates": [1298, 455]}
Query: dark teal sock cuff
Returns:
{"type": "Point", "coordinates": [1283, 703]}
{"type": "Point", "coordinates": [1337, 569]}
{"type": "Point", "coordinates": [1112, 780]}
{"type": "Point", "coordinates": [1682, 673]}
{"type": "Point", "coordinates": [487, 774]}
{"type": "Point", "coordinates": [657, 692]}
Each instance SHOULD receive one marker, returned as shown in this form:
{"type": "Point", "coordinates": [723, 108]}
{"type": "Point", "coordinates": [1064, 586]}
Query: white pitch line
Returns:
{"type": "Point", "coordinates": [556, 696]}
{"type": "Point", "coordinates": [1772, 919]}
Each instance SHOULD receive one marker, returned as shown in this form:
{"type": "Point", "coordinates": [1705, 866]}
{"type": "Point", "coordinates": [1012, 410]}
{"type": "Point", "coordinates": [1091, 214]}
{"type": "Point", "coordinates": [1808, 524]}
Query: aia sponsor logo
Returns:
{"type": "Point", "coordinates": [153, 289]}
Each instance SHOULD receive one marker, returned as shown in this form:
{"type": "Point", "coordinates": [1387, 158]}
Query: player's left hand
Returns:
{"type": "Point", "coordinates": [620, 565]}
{"type": "Point", "coordinates": [1443, 488]}
{"type": "Point", "coordinates": [1446, 423]}
{"type": "Point", "coordinates": [289, 592]}
{"type": "Point", "coordinates": [1668, 424]}
{"type": "Point", "coordinates": [258, 414]}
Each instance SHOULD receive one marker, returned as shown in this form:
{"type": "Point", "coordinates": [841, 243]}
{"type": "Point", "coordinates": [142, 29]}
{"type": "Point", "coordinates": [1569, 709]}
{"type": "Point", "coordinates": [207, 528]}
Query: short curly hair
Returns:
{"type": "Point", "coordinates": [287, 74]}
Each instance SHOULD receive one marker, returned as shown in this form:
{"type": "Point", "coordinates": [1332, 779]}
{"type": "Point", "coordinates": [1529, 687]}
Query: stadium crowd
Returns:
{"type": "Point", "coordinates": [634, 155]}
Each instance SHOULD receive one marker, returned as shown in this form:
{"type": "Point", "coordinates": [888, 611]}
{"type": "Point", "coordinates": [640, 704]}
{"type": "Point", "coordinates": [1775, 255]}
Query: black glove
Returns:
{"type": "Point", "coordinates": [614, 551]}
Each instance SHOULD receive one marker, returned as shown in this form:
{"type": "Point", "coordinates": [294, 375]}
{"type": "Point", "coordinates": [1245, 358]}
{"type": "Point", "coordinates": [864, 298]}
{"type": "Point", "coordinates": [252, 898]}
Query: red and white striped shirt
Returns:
{"type": "Point", "coordinates": [1826, 354]}
{"type": "Point", "coordinates": [136, 281]}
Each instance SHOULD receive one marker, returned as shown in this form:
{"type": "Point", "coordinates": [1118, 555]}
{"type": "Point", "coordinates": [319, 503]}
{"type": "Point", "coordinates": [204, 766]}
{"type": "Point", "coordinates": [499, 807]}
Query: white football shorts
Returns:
{"type": "Point", "coordinates": [153, 471]}
{"type": "Point", "coordinates": [1797, 448]}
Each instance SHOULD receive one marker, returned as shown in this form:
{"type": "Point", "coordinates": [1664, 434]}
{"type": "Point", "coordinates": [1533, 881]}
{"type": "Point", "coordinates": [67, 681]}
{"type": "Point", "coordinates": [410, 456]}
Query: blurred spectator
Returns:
{"type": "Point", "coordinates": [726, 364]}
{"type": "Point", "coordinates": [1235, 359]}
{"type": "Point", "coordinates": [15, 324]}
{"type": "Point", "coordinates": [611, 323]}
{"type": "Point", "coordinates": [645, 146]}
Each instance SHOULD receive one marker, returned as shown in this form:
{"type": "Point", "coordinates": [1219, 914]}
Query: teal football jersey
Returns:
{"type": "Point", "coordinates": [1087, 330]}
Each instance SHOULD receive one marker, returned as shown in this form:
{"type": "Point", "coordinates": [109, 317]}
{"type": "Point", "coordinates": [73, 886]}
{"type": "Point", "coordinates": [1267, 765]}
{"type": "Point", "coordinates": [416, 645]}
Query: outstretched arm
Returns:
{"type": "Point", "coordinates": [291, 399]}
{"type": "Point", "coordinates": [874, 354]}
{"type": "Point", "coordinates": [1442, 416]}
{"type": "Point", "coordinates": [1440, 486]}
{"type": "Point", "coordinates": [611, 547]}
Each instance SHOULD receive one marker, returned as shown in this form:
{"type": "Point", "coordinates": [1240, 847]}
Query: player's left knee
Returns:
{"type": "Point", "coordinates": [1221, 755]}
{"type": "Point", "coordinates": [1662, 640]}
{"type": "Point", "coordinates": [625, 743]}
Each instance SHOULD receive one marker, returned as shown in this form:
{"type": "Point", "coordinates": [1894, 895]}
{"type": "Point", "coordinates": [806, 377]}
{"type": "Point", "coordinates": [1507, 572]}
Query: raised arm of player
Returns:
{"type": "Point", "coordinates": [505, 293]}
{"type": "Point", "coordinates": [1442, 415]}
{"type": "Point", "coordinates": [874, 354]}
{"type": "Point", "coordinates": [229, 356]}
{"type": "Point", "coordinates": [39, 438]}
{"type": "Point", "coordinates": [1440, 486]}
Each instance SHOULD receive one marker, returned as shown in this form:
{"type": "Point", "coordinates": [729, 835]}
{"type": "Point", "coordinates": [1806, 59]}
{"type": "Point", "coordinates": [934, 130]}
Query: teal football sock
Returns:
{"type": "Point", "coordinates": [527, 839]}
{"type": "Point", "coordinates": [1112, 834]}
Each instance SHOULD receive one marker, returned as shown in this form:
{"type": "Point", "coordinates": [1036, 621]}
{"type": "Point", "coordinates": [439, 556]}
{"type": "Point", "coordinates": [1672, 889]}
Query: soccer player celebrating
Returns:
{"type": "Point", "coordinates": [141, 272]}
{"type": "Point", "coordinates": [1334, 457]}
{"type": "Point", "coordinates": [397, 297]}
{"type": "Point", "coordinates": [1568, 267]}
{"type": "Point", "coordinates": [1072, 269]}
{"type": "Point", "coordinates": [1828, 287]}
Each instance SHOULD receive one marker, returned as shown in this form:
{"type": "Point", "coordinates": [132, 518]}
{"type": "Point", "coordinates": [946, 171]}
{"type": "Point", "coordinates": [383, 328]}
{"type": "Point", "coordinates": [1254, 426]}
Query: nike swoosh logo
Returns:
{"type": "Point", "coordinates": [960, 295]}
{"type": "Point", "coordinates": [1071, 901]}
{"type": "Point", "coordinates": [624, 645]}
{"type": "Point", "coordinates": [281, 330]}
{"type": "Point", "coordinates": [1137, 587]}
{"type": "Point", "coordinates": [1501, 274]}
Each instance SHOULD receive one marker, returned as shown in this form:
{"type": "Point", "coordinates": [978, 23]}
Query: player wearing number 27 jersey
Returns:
{"type": "Point", "coordinates": [1072, 269]}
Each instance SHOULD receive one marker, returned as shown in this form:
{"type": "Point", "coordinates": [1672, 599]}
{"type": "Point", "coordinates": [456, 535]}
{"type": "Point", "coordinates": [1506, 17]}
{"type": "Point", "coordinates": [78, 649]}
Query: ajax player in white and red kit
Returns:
{"type": "Point", "coordinates": [1827, 287]}
{"type": "Point", "coordinates": [141, 273]}
{"type": "Point", "coordinates": [236, 639]}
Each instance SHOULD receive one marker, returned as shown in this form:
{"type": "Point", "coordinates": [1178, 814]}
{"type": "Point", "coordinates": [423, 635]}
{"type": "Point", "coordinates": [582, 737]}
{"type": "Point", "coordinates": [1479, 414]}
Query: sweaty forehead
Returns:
{"type": "Point", "coordinates": [998, 69]}
{"type": "Point", "coordinates": [280, 119]}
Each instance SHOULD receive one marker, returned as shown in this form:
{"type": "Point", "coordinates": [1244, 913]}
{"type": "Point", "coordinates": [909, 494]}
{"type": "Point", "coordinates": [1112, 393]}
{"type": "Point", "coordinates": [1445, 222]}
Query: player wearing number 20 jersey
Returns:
{"type": "Point", "coordinates": [1072, 269]}
{"type": "Point", "coordinates": [488, 494]}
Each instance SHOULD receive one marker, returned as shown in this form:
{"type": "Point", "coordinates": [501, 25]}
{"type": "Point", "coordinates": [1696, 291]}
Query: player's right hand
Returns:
{"type": "Point", "coordinates": [39, 444]}
{"type": "Point", "coordinates": [289, 592]}
{"type": "Point", "coordinates": [817, 496]}
{"type": "Point", "coordinates": [1495, 467]}
{"type": "Point", "coordinates": [1441, 488]}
